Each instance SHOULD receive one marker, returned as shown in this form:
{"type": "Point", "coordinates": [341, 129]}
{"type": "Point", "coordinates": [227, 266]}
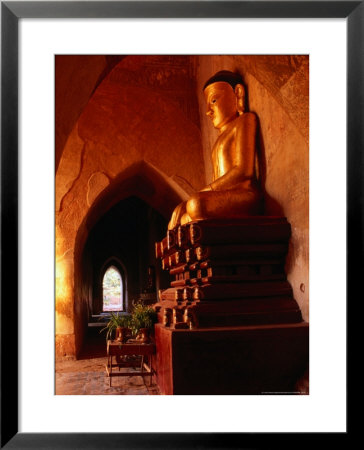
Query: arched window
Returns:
{"type": "Point", "coordinates": [112, 290]}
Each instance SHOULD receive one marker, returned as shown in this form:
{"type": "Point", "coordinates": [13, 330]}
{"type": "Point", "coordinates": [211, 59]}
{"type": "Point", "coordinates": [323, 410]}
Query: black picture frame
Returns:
{"type": "Point", "coordinates": [11, 12]}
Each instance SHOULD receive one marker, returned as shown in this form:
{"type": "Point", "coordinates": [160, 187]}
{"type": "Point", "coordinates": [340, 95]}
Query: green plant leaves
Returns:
{"type": "Point", "coordinates": [116, 320]}
{"type": "Point", "coordinates": [142, 316]}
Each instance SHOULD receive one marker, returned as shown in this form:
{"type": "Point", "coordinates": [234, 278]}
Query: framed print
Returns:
{"type": "Point", "coordinates": [56, 56]}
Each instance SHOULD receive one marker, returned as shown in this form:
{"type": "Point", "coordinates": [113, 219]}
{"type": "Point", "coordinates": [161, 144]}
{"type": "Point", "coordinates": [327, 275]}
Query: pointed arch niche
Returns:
{"type": "Point", "coordinates": [97, 303]}
{"type": "Point", "coordinates": [112, 290]}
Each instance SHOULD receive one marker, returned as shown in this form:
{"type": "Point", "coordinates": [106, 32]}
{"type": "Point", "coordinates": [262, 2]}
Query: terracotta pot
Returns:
{"type": "Point", "coordinates": [144, 335]}
{"type": "Point", "coordinates": [120, 334]}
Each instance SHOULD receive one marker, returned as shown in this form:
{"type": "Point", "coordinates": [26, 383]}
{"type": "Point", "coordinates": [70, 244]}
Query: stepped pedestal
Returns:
{"type": "Point", "coordinates": [228, 323]}
{"type": "Point", "coordinates": [227, 272]}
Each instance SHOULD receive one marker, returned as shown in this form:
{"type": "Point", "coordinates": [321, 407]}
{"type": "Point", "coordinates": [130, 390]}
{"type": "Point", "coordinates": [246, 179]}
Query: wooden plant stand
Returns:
{"type": "Point", "coordinates": [118, 350]}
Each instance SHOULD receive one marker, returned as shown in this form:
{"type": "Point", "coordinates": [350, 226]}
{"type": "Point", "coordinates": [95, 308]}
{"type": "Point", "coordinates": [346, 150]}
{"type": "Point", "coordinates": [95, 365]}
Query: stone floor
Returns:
{"type": "Point", "coordinates": [87, 375]}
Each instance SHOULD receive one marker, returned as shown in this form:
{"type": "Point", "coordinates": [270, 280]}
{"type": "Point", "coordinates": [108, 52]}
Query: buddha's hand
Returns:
{"type": "Point", "coordinates": [178, 212]}
{"type": "Point", "coordinates": [206, 188]}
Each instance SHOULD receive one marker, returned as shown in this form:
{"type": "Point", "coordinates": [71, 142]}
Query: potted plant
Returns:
{"type": "Point", "coordinates": [118, 325]}
{"type": "Point", "coordinates": [142, 320]}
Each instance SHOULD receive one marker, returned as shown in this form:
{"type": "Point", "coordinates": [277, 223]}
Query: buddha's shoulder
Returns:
{"type": "Point", "coordinates": [243, 123]}
{"type": "Point", "coordinates": [246, 119]}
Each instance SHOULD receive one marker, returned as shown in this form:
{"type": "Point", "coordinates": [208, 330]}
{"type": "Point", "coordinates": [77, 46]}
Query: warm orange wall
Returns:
{"type": "Point", "coordinates": [77, 76]}
{"type": "Point", "coordinates": [138, 135]}
{"type": "Point", "coordinates": [278, 93]}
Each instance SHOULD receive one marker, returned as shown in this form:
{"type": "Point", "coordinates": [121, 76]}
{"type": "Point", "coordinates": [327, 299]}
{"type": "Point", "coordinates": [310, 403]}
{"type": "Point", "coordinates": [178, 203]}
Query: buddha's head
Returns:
{"type": "Point", "coordinates": [224, 94]}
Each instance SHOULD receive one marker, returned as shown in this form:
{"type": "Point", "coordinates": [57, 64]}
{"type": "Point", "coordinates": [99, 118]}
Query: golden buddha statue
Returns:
{"type": "Point", "coordinates": [234, 192]}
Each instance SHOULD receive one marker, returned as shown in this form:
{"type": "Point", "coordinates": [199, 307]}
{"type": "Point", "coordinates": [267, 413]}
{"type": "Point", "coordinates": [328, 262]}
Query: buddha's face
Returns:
{"type": "Point", "coordinates": [221, 104]}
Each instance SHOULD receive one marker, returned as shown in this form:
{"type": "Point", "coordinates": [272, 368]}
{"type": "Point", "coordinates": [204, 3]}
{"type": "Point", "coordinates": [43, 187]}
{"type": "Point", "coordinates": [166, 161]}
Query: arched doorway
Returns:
{"type": "Point", "coordinates": [122, 239]}
{"type": "Point", "coordinates": [115, 150]}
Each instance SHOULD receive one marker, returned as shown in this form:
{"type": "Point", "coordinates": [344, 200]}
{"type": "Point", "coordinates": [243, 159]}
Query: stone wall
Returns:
{"type": "Point", "coordinates": [76, 80]}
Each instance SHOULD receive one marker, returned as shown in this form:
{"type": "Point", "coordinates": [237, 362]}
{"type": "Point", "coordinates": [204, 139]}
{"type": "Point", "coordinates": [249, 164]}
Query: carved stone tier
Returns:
{"type": "Point", "coordinates": [227, 273]}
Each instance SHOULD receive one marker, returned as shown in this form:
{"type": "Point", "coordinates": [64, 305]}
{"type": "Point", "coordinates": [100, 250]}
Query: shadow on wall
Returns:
{"type": "Point", "coordinates": [270, 204]}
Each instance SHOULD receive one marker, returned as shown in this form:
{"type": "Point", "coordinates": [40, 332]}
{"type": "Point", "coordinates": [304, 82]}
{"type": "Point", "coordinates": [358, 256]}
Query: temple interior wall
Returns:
{"type": "Point", "coordinates": [136, 126]}
{"type": "Point", "coordinates": [137, 134]}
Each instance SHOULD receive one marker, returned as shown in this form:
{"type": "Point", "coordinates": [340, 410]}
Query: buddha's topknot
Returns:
{"type": "Point", "coordinates": [225, 75]}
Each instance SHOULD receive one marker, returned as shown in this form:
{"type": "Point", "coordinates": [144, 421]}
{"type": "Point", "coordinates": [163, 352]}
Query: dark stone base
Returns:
{"type": "Point", "coordinates": [260, 359]}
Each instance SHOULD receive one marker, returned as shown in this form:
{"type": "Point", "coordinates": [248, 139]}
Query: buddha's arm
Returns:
{"type": "Point", "coordinates": [243, 157]}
